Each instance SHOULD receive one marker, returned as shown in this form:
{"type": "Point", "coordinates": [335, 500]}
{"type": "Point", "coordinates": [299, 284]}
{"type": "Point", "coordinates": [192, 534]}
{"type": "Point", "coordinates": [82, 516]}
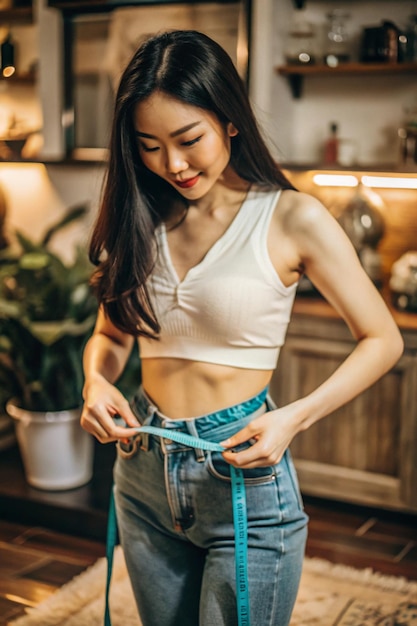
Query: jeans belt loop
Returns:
{"type": "Point", "coordinates": [199, 454]}
{"type": "Point", "coordinates": [128, 451]}
{"type": "Point", "coordinates": [165, 441]}
{"type": "Point", "coordinates": [145, 443]}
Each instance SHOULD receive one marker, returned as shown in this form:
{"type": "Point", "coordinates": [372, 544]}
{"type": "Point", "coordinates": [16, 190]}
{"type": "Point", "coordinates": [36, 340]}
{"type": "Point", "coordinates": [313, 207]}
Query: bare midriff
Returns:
{"type": "Point", "coordinates": [181, 388]}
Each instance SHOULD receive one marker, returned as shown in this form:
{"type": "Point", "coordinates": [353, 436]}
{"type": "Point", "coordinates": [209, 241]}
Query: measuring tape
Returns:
{"type": "Point", "coordinates": [240, 522]}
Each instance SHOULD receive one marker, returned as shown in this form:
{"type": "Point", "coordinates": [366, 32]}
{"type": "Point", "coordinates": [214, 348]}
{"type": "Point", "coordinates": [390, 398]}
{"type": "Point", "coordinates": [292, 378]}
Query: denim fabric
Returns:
{"type": "Point", "coordinates": [175, 520]}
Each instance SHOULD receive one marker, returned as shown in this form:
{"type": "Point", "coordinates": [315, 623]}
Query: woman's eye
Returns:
{"type": "Point", "coordinates": [192, 141]}
{"type": "Point", "coordinates": [146, 149]}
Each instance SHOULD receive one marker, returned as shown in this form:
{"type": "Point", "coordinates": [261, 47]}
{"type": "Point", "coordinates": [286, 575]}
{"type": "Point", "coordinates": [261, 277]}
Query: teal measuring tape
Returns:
{"type": "Point", "coordinates": [239, 521]}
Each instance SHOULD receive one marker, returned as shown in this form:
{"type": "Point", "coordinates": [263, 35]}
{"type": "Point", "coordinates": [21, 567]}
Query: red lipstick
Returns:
{"type": "Point", "coordinates": [189, 182]}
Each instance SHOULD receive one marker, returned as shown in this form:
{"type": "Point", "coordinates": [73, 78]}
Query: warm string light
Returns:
{"type": "Point", "coordinates": [390, 182]}
{"type": "Point", "coordinates": [381, 182]}
{"type": "Point", "coordinates": [335, 180]}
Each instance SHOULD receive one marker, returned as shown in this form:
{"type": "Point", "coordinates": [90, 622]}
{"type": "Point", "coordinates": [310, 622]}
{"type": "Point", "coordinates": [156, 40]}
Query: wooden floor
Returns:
{"type": "Point", "coordinates": [35, 561]}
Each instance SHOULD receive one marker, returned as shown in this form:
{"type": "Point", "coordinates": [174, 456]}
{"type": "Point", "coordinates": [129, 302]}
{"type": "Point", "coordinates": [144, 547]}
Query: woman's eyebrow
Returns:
{"type": "Point", "coordinates": [174, 134]}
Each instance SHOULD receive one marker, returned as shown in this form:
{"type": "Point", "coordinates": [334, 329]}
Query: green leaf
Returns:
{"type": "Point", "coordinates": [47, 313]}
{"type": "Point", "coordinates": [49, 333]}
{"type": "Point", "coordinates": [10, 309]}
{"type": "Point", "coordinates": [34, 261]}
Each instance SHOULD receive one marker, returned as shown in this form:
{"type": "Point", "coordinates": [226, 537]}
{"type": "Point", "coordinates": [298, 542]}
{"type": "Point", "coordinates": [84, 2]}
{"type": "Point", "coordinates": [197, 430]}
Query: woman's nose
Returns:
{"type": "Point", "coordinates": [175, 161]}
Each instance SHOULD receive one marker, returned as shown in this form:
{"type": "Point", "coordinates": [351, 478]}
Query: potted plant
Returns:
{"type": "Point", "coordinates": [47, 313]}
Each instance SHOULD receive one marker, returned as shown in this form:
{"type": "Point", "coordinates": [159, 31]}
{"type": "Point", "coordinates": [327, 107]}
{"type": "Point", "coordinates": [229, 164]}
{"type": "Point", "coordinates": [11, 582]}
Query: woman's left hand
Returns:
{"type": "Point", "coordinates": [273, 432]}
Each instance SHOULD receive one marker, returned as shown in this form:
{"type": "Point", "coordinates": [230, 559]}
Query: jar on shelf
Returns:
{"type": "Point", "coordinates": [407, 134]}
{"type": "Point", "coordinates": [301, 43]}
{"type": "Point", "coordinates": [403, 282]}
{"type": "Point", "coordinates": [411, 39]}
{"type": "Point", "coordinates": [337, 47]}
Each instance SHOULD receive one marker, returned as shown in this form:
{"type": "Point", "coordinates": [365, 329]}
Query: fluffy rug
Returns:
{"type": "Point", "coordinates": [330, 595]}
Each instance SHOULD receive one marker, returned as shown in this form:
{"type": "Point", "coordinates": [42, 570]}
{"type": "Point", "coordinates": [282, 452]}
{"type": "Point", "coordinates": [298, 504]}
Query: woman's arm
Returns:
{"type": "Point", "coordinates": [105, 357]}
{"type": "Point", "coordinates": [322, 249]}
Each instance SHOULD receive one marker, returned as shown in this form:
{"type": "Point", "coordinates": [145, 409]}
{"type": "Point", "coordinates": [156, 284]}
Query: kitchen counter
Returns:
{"type": "Point", "coordinates": [318, 307]}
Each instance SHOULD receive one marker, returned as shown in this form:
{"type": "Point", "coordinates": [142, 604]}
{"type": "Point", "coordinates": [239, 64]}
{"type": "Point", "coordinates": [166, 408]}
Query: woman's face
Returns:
{"type": "Point", "coordinates": [183, 144]}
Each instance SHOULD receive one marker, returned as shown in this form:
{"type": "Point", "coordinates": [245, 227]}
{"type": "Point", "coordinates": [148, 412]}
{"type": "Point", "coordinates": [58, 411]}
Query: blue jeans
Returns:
{"type": "Point", "coordinates": [175, 520]}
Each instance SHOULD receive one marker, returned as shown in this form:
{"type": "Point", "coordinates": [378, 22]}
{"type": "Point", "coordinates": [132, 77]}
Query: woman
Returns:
{"type": "Point", "coordinates": [200, 243]}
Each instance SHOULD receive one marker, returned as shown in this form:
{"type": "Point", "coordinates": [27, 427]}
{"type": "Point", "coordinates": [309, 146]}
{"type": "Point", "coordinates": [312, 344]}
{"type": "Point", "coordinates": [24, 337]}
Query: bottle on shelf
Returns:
{"type": "Point", "coordinates": [331, 146]}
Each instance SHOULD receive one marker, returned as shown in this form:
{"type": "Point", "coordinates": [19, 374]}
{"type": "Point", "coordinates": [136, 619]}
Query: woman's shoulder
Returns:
{"type": "Point", "coordinates": [296, 211]}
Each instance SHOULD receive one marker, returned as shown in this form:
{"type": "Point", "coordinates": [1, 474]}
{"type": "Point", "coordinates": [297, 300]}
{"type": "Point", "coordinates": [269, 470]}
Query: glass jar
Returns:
{"type": "Point", "coordinates": [337, 46]}
{"type": "Point", "coordinates": [411, 39]}
{"type": "Point", "coordinates": [300, 48]}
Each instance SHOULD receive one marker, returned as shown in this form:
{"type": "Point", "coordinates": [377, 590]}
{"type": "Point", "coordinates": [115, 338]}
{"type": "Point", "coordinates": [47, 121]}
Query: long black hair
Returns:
{"type": "Point", "coordinates": [194, 69]}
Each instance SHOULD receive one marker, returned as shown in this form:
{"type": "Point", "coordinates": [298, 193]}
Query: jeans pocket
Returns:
{"type": "Point", "coordinates": [292, 475]}
{"type": "Point", "coordinates": [220, 469]}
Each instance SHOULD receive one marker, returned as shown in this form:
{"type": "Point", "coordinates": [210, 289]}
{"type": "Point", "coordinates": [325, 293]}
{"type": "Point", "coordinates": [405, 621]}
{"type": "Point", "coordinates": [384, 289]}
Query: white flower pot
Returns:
{"type": "Point", "coordinates": [57, 453]}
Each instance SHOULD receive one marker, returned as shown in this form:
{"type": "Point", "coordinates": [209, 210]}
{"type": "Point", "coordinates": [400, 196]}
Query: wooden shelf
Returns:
{"type": "Point", "coordinates": [296, 73]}
{"type": "Point", "coordinates": [380, 168]}
{"type": "Point", "coordinates": [19, 79]}
{"type": "Point", "coordinates": [299, 4]}
{"type": "Point", "coordinates": [103, 6]}
{"type": "Point", "coordinates": [93, 157]}
{"type": "Point", "coordinates": [16, 14]}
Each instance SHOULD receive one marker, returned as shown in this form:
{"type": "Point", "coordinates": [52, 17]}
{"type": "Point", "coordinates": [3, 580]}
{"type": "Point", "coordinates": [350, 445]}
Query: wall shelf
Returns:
{"type": "Point", "coordinates": [375, 168]}
{"type": "Point", "coordinates": [300, 4]}
{"type": "Point", "coordinates": [19, 79]}
{"type": "Point", "coordinates": [103, 6]}
{"type": "Point", "coordinates": [22, 14]}
{"type": "Point", "coordinates": [296, 73]}
{"type": "Point", "coordinates": [99, 160]}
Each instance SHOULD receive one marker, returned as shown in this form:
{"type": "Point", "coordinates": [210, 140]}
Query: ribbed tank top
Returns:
{"type": "Point", "coordinates": [231, 308]}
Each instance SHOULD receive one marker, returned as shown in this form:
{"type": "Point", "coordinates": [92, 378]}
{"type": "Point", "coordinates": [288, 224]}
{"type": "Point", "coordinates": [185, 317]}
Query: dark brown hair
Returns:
{"type": "Point", "coordinates": [190, 67]}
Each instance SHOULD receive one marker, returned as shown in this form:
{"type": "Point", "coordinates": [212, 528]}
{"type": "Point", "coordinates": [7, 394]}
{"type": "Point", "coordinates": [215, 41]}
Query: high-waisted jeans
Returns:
{"type": "Point", "coordinates": [175, 519]}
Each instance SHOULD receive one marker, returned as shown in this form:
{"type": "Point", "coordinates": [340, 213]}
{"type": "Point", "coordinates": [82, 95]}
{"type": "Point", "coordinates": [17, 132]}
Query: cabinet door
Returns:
{"type": "Point", "coordinates": [364, 452]}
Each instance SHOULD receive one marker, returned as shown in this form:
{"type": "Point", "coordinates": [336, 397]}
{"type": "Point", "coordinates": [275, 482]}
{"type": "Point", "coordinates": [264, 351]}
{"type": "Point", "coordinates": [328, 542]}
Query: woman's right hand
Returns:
{"type": "Point", "coordinates": [103, 402]}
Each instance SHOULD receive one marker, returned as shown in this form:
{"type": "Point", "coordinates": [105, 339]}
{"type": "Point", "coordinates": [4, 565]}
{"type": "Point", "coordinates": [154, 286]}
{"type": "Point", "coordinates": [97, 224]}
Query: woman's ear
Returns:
{"type": "Point", "coordinates": [231, 130]}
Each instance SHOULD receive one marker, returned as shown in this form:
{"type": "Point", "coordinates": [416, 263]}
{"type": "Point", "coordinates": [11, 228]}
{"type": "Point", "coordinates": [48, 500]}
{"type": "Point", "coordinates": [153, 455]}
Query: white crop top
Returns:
{"type": "Point", "coordinates": [231, 308]}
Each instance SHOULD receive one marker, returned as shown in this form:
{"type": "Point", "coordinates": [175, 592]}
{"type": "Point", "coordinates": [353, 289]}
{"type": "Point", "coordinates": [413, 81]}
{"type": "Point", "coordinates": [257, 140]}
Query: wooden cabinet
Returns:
{"type": "Point", "coordinates": [365, 452]}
